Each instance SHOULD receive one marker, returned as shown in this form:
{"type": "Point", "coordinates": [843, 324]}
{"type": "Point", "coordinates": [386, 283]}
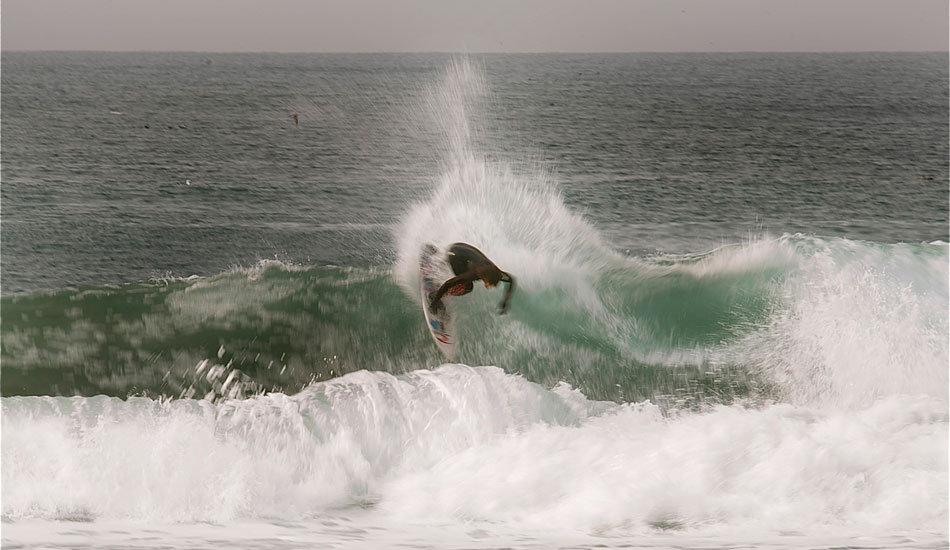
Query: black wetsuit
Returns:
{"type": "Point", "coordinates": [469, 265]}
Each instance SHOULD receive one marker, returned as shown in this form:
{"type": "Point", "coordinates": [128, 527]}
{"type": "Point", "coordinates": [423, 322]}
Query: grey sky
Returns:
{"type": "Point", "coordinates": [475, 25]}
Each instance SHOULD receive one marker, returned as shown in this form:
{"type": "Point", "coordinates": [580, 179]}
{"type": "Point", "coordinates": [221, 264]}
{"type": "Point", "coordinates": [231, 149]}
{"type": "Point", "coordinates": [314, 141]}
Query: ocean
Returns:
{"type": "Point", "coordinates": [730, 326]}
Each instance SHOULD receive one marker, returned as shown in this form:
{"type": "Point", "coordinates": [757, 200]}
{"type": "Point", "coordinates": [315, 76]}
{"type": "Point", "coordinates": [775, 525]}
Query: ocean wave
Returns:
{"type": "Point", "coordinates": [778, 316]}
{"type": "Point", "coordinates": [480, 445]}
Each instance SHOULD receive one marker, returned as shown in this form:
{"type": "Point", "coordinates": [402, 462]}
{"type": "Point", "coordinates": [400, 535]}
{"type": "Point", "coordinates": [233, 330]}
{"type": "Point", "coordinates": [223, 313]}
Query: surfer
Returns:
{"type": "Point", "coordinates": [469, 265]}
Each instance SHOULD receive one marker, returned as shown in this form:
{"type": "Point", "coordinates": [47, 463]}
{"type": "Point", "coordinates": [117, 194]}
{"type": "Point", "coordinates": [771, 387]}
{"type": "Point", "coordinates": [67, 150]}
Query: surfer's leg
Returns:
{"type": "Point", "coordinates": [461, 289]}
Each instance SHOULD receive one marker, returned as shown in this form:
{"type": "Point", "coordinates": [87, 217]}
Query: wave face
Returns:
{"type": "Point", "coordinates": [790, 381]}
{"type": "Point", "coordinates": [794, 317]}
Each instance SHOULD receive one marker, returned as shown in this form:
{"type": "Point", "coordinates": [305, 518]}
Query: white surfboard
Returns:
{"type": "Point", "coordinates": [433, 271]}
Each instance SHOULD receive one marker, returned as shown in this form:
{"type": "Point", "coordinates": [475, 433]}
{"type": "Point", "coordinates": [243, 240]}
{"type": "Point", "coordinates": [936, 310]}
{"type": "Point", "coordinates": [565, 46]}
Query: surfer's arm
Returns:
{"type": "Point", "coordinates": [435, 303]}
{"type": "Point", "coordinates": [510, 282]}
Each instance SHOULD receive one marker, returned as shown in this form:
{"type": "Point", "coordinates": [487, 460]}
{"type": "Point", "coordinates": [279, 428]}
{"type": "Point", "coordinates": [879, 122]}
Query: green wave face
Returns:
{"type": "Point", "coordinates": [280, 327]}
{"type": "Point", "coordinates": [730, 323]}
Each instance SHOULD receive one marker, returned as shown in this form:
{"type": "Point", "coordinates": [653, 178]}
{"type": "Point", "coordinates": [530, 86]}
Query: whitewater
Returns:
{"type": "Point", "coordinates": [790, 391]}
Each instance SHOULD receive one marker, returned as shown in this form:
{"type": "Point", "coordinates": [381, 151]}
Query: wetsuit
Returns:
{"type": "Point", "coordinates": [469, 265]}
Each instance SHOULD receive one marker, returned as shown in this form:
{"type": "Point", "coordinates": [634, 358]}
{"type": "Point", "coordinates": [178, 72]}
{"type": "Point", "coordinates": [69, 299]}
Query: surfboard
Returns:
{"type": "Point", "coordinates": [433, 271]}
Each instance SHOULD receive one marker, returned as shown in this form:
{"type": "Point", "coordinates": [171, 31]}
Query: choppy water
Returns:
{"type": "Point", "coordinates": [730, 325]}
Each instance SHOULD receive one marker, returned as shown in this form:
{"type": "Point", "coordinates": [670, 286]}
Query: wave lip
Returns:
{"type": "Point", "coordinates": [858, 321]}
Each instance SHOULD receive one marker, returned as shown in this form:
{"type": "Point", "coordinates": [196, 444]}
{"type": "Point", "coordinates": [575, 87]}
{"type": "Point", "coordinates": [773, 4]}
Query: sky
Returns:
{"type": "Point", "coordinates": [474, 26]}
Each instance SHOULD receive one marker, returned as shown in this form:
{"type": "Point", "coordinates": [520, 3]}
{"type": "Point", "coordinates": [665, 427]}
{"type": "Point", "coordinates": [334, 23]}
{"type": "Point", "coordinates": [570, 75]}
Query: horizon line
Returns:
{"type": "Point", "coordinates": [458, 52]}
